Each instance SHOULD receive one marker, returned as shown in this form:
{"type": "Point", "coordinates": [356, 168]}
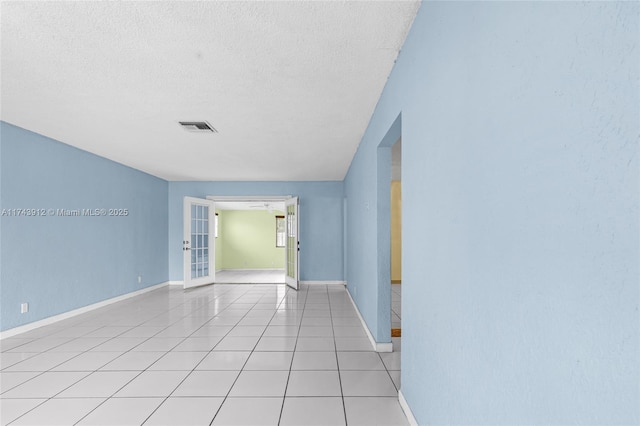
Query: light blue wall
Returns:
{"type": "Point", "coordinates": [520, 213]}
{"type": "Point", "coordinates": [58, 264]}
{"type": "Point", "coordinates": [321, 207]}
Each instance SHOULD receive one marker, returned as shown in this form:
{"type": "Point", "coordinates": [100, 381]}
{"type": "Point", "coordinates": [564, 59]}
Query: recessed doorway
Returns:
{"type": "Point", "coordinates": [396, 239]}
{"type": "Point", "coordinates": [254, 240]}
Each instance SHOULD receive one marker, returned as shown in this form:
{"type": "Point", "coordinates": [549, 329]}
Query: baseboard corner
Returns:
{"type": "Point", "coordinates": [384, 347]}
{"type": "Point", "coordinates": [378, 347]}
{"type": "Point", "coordinates": [407, 409]}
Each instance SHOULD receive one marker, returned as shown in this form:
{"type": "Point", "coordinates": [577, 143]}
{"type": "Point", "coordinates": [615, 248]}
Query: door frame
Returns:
{"type": "Point", "coordinates": [383, 237]}
{"type": "Point", "coordinates": [253, 199]}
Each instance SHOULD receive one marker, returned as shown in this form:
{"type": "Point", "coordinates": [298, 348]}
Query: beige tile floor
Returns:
{"type": "Point", "coordinates": [225, 354]}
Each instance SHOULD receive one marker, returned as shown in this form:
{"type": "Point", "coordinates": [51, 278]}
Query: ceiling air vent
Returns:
{"type": "Point", "coordinates": [198, 126]}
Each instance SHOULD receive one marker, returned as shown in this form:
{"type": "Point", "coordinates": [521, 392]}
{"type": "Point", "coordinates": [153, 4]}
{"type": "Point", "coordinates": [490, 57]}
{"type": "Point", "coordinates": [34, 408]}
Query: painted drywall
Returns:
{"type": "Point", "coordinates": [519, 125]}
{"type": "Point", "coordinates": [59, 263]}
{"type": "Point", "coordinates": [396, 231]}
{"type": "Point", "coordinates": [321, 208]}
{"type": "Point", "coordinates": [248, 240]}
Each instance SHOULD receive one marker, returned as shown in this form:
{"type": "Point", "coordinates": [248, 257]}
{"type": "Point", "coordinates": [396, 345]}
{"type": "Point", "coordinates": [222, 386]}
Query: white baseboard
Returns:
{"type": "Point", "coordinates": [176, 283]}
{"type": "Point", "coordinates": [323, 282]}
{"type": "Point", "coordinates": [378, 347]}
{"type": "Point", "coordinates": [48, 321]}
{"type": "Point", "coordinates": [384, 347]}
{"type": "Point", "coordinates": [406, 409]}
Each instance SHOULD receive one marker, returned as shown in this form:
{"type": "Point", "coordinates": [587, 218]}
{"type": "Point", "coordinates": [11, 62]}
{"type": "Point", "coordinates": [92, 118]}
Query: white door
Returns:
{"type": "Point", "coordinates": [197, 245]}
{"type": "Point", "coordinates": [292, 247]}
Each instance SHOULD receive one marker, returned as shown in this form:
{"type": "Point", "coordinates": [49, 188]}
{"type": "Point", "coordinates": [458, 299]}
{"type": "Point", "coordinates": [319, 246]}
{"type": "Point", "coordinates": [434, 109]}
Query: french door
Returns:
{"type": "Point", "coordinates": [292, 245]}
{"type": "Point", "coordinates": [198, 242]}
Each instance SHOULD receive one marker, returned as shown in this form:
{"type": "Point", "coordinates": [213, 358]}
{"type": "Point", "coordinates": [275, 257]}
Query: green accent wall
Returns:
{"type": "Point", "coordinates": [247, 240]}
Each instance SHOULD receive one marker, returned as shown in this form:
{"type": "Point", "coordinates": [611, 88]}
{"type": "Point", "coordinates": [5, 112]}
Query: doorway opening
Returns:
{"type": "Point", "coordinates": [264, 249]}
{"type": "Point", "coordinates": [203, 250]}
{"type": "Point", "coordinates": [383, 235]}
{"type": "Point", "coordinates": [250, 246]}
{"type": "Point", "coordinates": [396, 239]}
{"type": "Point", "coordinates": [389, 304]}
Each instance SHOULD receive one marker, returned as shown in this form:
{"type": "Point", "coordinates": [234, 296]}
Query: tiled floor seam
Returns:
{"type": "Point", "coordinates": [316, 301]}
{"type": "Point", "coordinates": [144, 370]}
{"type": "Point", "coordinates": [243, 366]}
{"type": "Point", "coordinates": [344, 406]}
{"type": "Point", "coordinates": [51, 397]}
{"type": "Point", "coordinates": [284, 396]}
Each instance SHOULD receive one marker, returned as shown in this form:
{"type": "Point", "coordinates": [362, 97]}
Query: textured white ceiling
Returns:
{"type": "Point", "coordinates": [290, 86]}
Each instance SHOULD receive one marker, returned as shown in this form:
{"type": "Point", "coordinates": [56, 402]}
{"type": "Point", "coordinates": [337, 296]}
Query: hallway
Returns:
{"type": "Point", "coordinates": [223, 354]}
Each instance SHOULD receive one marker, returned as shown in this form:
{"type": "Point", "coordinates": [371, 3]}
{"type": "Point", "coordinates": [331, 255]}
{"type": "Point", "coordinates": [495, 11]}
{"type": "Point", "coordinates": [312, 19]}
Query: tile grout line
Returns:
{"type": "Point", "coordinates": [74, 383]}
{"type": "Point", "coordinates": [125, 352]}
{"type": "Point", "coordinates": [212, 349]}
{"type": "Point", "coordinates": [344, 405]}
{"type": "Point", "coordinates": [128, 351]}
{"type": "Point", "coordinates": [286, 387]}
{"type": "Point", "coordinates": [166, 352]}
{"type": "Point", "coordinates": [246, 361]}
{"type": "Point", "coordinates": [140, 373]}
{"type": "Point", "coordinates": [79, 380]}
{"type": "Point", "coordinates": [243, 365]}
{"type": "Point", "coordinates": [312, 299]}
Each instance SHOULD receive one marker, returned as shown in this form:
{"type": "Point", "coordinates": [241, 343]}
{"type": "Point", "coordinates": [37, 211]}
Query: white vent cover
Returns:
{"type": "Point", "coordinates": [198, 126]}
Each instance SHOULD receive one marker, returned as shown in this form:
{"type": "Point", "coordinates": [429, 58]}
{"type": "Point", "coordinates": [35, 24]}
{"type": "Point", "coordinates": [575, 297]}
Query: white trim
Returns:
{"type": "Point", "coordinates": [248, 197]}
{"type": "Point", "coordinates": [407, 409]}
{"type": "Point", "coordinates": [384, 347]}
{"type": "Point", "coordinates": [378, 347]}
{"type": "Point", "coordinates": [175, 283]}
{"type": "Point", "coordinates": [323, 282]}
{"type": "Point", "coordinates": [47, 321]}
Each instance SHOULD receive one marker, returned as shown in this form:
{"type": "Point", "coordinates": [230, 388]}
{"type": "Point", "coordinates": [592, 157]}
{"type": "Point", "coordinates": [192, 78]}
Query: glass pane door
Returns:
{"type": "Point", "coordinates": [198, 220]}
{"type": "Point", "coordinates": [292, 243]}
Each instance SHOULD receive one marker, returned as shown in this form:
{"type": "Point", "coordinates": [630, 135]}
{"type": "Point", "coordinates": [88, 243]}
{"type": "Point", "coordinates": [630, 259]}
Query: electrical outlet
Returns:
{"type": "Point", "coordinates": [24, 308]}
{"type": "Point", "coordinates": [139, 279]}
